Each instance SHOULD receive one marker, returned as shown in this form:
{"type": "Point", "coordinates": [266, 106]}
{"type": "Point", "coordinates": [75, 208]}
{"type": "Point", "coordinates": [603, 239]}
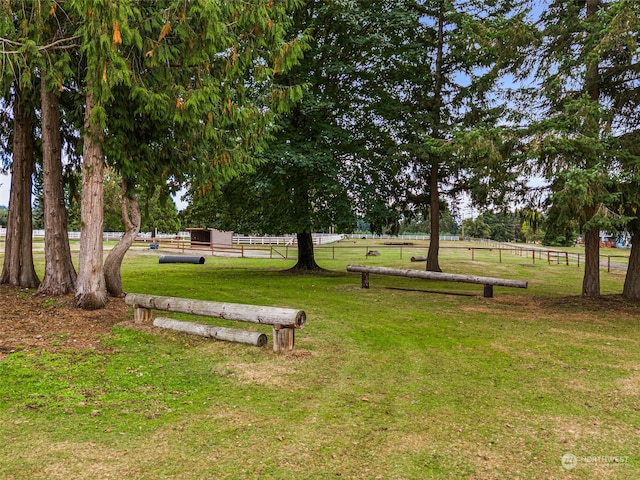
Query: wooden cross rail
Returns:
{"type": "Point", "coordinates": [488, 282]}
{"type": "Point", "coordinates": [283, 320]}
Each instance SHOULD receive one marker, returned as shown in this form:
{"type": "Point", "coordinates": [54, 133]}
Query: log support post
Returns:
{"type": "Point", "coordinates": [283, 338]}
{"type": "Point", "coordinates": [365, 279]}
{"type": "Point", "coordinates": [488, 291]}
{"type": "Point", "coordinates": [141, 314]}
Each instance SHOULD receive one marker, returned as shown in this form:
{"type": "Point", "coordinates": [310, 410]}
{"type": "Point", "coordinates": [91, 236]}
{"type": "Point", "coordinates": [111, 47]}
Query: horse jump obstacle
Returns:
{"type": "Point", "coordinates": [488, 282]}
{"type": "Point", "coordinates": [283, 320]}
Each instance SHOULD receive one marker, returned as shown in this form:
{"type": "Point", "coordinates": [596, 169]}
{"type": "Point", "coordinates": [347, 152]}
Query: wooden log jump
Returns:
{"type": "Point", "coordinates": [283, 320]}
{"type": "Point", "coordinates": [209, 331]}
{"type": "Point", "coordinates": [488, 282]}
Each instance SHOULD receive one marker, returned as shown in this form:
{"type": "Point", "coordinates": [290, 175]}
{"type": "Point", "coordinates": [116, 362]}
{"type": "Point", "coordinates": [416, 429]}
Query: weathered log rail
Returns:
{"type": "Point", "coordinates": [488, 282]}
{"type": "Point", "coordinates": [283, 320]}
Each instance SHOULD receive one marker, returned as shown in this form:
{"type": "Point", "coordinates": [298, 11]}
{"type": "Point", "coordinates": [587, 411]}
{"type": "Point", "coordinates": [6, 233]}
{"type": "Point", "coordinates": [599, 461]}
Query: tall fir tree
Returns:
{"type": "Point", "coordinates": [19, 89]}
{"type": "Point", "coordinates": [450, 61]}
{"type": "Point", "coordinates": [580, 64]}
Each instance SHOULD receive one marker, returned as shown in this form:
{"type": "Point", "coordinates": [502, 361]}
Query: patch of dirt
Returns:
{"type": "Point", "coordinates": [280, 375]}
{"type": "Point", "coordinates": [30, 321]}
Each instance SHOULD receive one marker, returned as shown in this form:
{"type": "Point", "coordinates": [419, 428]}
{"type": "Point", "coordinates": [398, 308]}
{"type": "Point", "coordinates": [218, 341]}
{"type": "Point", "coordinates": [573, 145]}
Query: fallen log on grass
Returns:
{"type": "Point", "coordinates": [210, 331]}
{"type": "Point", "coordinates": [181, 259]}
{"type": "Point", "coordinates": [488, 282]}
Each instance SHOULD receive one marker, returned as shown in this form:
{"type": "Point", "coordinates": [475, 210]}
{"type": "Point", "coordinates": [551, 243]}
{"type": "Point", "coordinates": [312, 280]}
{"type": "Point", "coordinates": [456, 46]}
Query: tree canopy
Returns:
{"type": "Point", "coordinates": [292, 116]}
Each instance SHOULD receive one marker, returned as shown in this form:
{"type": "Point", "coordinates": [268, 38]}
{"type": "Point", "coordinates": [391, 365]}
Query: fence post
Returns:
{"type": "Point", "coordinates": [609, 263]}
{"type": "Point", "coordinates": [533, 254]}
{"type": "Point", "coordinates": [500, 254]}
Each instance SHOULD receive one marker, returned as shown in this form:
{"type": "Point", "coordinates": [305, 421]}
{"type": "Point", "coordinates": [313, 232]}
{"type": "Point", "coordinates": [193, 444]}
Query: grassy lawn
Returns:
{"type": "Point", "coordinates": [406, 380]}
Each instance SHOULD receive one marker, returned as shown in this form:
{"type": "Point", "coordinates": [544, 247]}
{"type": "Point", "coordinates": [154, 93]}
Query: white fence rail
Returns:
{"type": "Point", "coordinates": [369, 236]}
{"type": "Point", "coordinates": [318, 238]}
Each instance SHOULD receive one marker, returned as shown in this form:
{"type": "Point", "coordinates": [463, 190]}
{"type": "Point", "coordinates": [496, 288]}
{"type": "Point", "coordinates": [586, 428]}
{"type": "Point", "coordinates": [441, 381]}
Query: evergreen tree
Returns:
{"type": "Point", "coordinates": [195, 78]}
{"type": "Point", "coordinates": [55, 30]}
{"type": "Point", "coordinates": [444, 109]}
{"type": "Point", "coordinates": [18, 268]}
{"type": "Point", "coordinates": [207, 95]}
{"type": "Point", "coordinates": [18, 87]}
{"type": "Point", "coordinates": [103, 28]}
{"type": "Point", "coordinates": [584, 59]}
{"type": "Point", "coordinates": [629, 188]}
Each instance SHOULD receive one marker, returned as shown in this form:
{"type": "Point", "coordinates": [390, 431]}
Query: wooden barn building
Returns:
{"type": "Point", "coordinates": [210, 238]}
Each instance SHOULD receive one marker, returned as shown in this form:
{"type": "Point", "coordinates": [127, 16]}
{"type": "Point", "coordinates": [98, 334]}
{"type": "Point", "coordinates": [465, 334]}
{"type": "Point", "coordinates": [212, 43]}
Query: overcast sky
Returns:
{"type": "Point", "coordinates": [4, 190]}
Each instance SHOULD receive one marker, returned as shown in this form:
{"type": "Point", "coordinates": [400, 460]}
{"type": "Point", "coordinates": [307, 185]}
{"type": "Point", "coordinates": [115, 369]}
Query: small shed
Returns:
{"type": "Point", "coordinates": [210, 237]}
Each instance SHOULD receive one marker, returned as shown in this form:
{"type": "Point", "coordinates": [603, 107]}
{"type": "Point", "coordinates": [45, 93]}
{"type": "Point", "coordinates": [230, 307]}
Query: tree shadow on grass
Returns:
{"type": "Point", "coordinates": [440, 292]}
{"type": "Point", "coordinates": [319, 272]}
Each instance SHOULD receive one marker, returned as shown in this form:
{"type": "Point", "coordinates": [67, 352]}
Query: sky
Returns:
{"type": "Point", "coordinates": [5, 183]}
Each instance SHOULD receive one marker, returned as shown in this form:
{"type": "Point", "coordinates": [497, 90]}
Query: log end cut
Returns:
{"type": "Point", "coordinates": [301, 319]}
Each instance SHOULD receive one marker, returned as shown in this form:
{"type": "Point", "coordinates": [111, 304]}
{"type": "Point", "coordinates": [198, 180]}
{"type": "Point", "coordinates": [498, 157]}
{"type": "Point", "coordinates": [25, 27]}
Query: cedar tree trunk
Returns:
{"type": "Point", "coordinates": [306, 257]}
{"type": "Point", "coordinates": [18, 269]}
{"type": "Point", "coordinates": [91, 290]}
{"type": "Point", "coordinates": [59, 272]}
{"type": "Point", "coordinates": [113, 263]}
{"type": "Point", "coordinates": [433, 264]}
{"type": "Point", "coordinates": [591, 279]}
{"type": "Point", "coordinates": [631, 288]}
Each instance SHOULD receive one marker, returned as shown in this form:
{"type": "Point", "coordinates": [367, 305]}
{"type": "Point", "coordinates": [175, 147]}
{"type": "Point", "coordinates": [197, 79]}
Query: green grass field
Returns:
{"type": "Point", "coordinates": [406, 380]}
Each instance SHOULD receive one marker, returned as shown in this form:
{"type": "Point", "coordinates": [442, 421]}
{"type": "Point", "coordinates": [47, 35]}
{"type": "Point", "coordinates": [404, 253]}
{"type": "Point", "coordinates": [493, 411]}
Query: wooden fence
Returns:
{"type": "Point", "coordinates": [260, 247]}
